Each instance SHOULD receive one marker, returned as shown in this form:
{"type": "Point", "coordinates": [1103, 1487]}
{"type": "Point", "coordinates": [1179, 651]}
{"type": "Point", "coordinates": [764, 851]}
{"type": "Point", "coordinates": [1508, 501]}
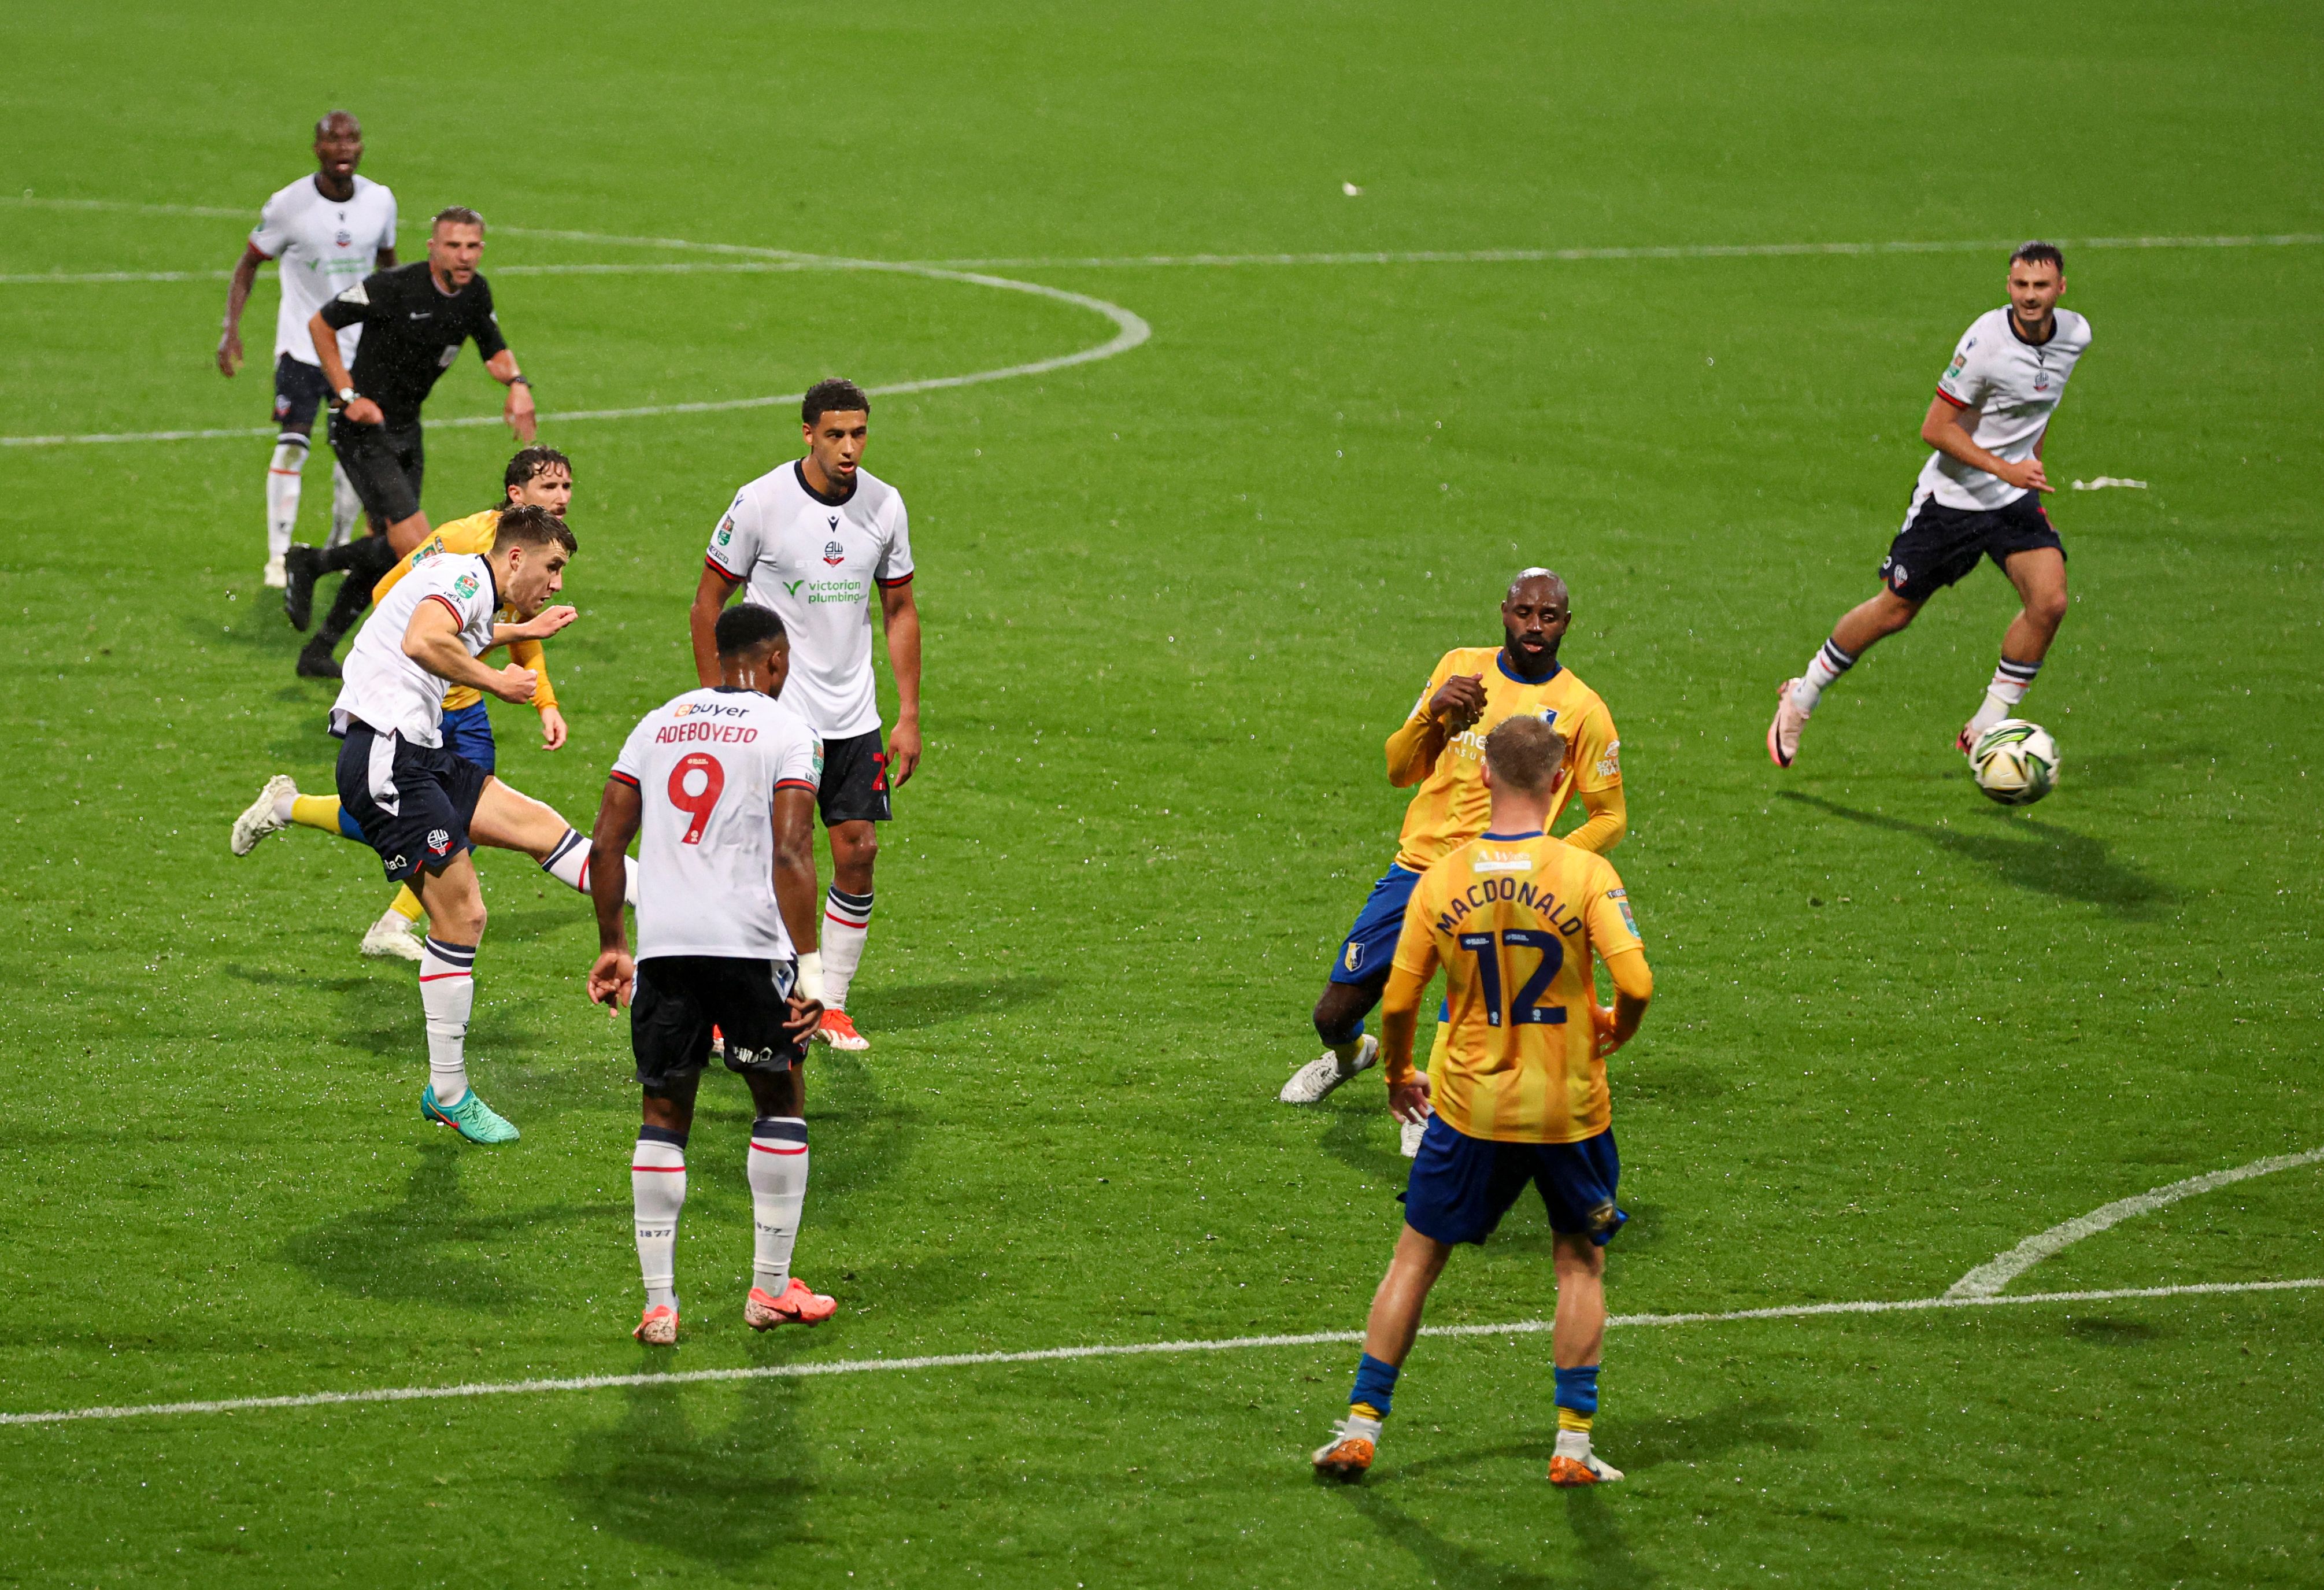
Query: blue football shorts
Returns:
{"type": "Point", "coordinates": [1370, 948]}
{"type": "Point", "coordinates": [1462, 1185]}
{"type": "Point", "coordinates": [468, 733]}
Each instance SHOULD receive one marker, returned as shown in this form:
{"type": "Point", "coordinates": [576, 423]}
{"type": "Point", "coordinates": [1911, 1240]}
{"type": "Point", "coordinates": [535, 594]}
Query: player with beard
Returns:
{"type": "Point", "coordinates": [416, 317]}
{"type": "Point", "coordinates": [812, 540]}
{"type": "Point", "coordinates": [329, 231]}
{"type": "Point", "coordinates": [1441, 747]}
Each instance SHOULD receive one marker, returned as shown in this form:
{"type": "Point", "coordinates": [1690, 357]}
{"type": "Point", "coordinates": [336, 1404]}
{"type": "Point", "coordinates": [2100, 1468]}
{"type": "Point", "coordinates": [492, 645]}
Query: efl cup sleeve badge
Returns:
{"type": "Point", "coordinates": [466, 586]}
{"type": "Point", "coordinates": [1621, 899]}
{"type": "Point", "coordinates": [726, 529]}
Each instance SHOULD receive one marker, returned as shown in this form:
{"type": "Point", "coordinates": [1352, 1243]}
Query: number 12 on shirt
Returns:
{"type": "Point", "coordinates": [1490, 948]}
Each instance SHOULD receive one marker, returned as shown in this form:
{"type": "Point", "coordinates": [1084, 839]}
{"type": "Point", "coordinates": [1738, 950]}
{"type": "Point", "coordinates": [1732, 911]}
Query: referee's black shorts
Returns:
{"type": "Point", "coordinates": [384, 464]}
{"type": "Point", "coordinates": [1940, 545]}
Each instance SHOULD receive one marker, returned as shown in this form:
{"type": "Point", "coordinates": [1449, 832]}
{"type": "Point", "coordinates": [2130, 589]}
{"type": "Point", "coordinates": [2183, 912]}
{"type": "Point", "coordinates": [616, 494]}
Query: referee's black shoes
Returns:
{"type": "Point", "coordinates": [315, 661]}
{"type": "Point", "coordinates": [301, 567]}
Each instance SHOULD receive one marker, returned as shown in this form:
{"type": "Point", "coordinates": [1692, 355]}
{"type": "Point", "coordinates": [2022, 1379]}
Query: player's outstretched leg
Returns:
{"type": "Point", "coordinates": [1347, 1048]}
{"type": "Point", "coordinates": [509, 819]}
{"type": "Point", "coordinates": [268, 814]}
{"type": "Point", "coordinates": [1859, 630]}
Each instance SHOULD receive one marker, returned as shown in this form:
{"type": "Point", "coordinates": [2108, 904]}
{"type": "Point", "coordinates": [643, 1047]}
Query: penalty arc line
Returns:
{"type": "Point", "coordinates": [593, 1382]}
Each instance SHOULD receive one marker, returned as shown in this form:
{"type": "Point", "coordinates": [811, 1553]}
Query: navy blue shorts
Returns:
{"type": "Point", "coordinates": [469, 732]}
{"type": "Point", "coordinates": [1370, 948]}
{"type": "Point", "coordinates": [412, 802]}
{"type": "Point", "coordinates": [1462, 1185]}
{"type": "Point", "coordinates": [1940, 545]}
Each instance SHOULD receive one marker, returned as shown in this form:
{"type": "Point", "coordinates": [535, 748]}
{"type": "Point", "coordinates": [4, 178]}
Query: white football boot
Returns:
{"type": "Point", "coordinates": [1413, 1131]}
{"type": "Point", "coordinates": [393, 938]}
{"type": "Point", "coordinates": [1783, 731]}
{"type": "Point", "coordinates": [276, 576]}
{"type": "Point", "coordinates": [259, 818]}
{"type": "Point", "coordinates": [1313, 1082]}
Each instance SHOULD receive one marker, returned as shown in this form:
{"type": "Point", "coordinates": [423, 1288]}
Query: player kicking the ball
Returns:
{"type": "Point", "coordinates": [542, 477]}
{"type": "Point", "coordinates": [1518, 1094]}
{"type": "Point", "coordinates": [1979, 495]}
{"type": "Point", "coordinates": [1441, 747]}
{"type": "Point", "coordinates": [812, 540]}
{"type": "Point", "coordinates": [421, 806]}
{"type": "Point", "coordinates": [721, 784]}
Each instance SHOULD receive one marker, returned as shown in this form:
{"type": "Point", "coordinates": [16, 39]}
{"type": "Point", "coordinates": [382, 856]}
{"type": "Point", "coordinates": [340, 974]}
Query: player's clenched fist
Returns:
{"type": "Point", "coordinates": [514, 684]}
{"type": "Point", "coordinates": [1458, 702]}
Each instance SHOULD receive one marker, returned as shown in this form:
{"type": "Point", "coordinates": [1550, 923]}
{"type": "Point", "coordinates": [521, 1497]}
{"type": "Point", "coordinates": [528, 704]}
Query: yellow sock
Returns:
{"type": "Point", "coordinates": [315, 811]}
{"type": "Point", "coordinates": [406, 904]}
{"type": "Point", "coordinates": [1567, 1420]}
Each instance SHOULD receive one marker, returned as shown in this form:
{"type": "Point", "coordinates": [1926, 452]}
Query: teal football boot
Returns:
{"type": "Point", "coordinates": [472, 1118]}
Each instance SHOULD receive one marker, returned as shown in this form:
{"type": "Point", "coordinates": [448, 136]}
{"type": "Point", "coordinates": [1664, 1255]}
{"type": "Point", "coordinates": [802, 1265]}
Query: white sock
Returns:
{"type": "Point", "coordinates": [568, 861]}
{"type": "Point", "coordinates": [777, 1193]}
{"type": "Point", "coordinates": [284, 804]}
{"type": "Point", "coordinates": [448, 995]}
{"type": "Point", "coordinates": [345, 507]}
{"type": "Point", "coordinates": [1573, 1444]}
{"type": "Point", "coordinates": [2011, 680]}
{"type": "Point", "coordinates": [282, 491]}
{"type": "Point", "coordinates": [1826, 666]}
{"type": "Point", "coordinates": [846, 923]}
{"type": "Point", "coordinates": [657, 1193]}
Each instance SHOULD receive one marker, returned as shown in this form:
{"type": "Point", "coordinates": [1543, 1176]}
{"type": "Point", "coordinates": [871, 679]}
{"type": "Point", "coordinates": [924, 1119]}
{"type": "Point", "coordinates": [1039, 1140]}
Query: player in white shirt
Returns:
{"type": "Point", "coordinates": [421, 805]}
{"type": "Point", "coordinates": [1979, 495]}
{"type": "Point", "coordinates": [812, 540]}
{"type": "Point", "coordinates": [718, 787]}
{"type": "Point", "coordinates": [329, 231]}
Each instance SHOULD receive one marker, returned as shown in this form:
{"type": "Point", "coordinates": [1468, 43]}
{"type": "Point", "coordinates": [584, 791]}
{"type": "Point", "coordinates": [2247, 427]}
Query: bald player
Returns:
{"type": "Point", "coordinates": [1441, 747]}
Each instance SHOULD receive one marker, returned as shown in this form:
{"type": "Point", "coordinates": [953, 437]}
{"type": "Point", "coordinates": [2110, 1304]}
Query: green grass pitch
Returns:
{"type": "Point", "coordinates": [1175, 599]}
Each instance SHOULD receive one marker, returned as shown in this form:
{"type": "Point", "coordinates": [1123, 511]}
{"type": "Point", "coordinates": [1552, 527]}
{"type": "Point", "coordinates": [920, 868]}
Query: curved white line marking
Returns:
{"type": "Point", "coordinates": [1130, 330]}
{"type": "Point", "coordinates": [596, 1382]}
{"type": "Point", "coordinates": [1987, 1279]}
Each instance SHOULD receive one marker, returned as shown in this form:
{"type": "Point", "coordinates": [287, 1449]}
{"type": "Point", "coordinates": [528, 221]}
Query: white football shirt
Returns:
{"type": "Point", "coordinates": [385, 689]}
{"type": "Point", "coordinates": [815, 562]}
{"type": "Point", "coordinates": [322, 248]}
{"type": "Point", "coordinates": [2013, 385]}
{"type": "Point", "coordinates": [705, 767]}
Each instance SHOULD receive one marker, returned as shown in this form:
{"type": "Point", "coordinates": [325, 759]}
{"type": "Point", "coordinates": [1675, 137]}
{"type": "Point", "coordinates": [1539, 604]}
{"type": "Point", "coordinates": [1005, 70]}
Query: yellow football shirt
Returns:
{"type": "Point", "coordinates": [471, 537]}
{"type": "Point", "coordinates": [1514, 922]}
{"type": "Point", "coordinates": [1451, 806]}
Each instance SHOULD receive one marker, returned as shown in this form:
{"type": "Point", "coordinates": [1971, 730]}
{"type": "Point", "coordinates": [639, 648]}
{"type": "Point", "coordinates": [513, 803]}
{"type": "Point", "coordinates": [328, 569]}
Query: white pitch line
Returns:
{"type": "Point", "coordinates": [1999, 1271]}
{"type": "Point", "coordinates": [598, 1383]}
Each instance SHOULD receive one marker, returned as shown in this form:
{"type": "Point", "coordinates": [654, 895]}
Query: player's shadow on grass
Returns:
{"type": "Point", "coordinates": [1694, 1437]}
{"type": "Point", "coordinates": [1388, 1499]}
{"type": "Point", "coordinates": [723, 1497]}
{"type": "Point", "coordinates": [2048, 859]}
{"type": "Point", "coordinates": [932, 1004]}
{"type": "Point", "coordinates": [433, 1247]}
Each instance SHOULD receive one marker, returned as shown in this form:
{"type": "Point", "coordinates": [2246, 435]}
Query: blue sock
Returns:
{"type": "Point", "coordinates": [1577, 1389]}
{"type": "Point", "coordinates": [1375, 1385]}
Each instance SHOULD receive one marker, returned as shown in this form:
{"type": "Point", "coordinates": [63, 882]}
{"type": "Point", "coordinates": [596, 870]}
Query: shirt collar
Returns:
{"type": "Point", "coordinates": [1501, 659]}
{"type": "Point", "coordinates": [799, 472]}
{"type": "Point", "coordinates": [1511, 838]}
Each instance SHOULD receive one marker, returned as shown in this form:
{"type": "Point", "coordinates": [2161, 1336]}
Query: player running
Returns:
{"type": "Point", "coordinates": [418, 316]}
{"type": "Point", "coordinates": [329, 230]}
{"type": "Point", "coordinates": [1441, 747]}
{"type": "Point", "coordinates": [1979, 495]}
{"type": "Point", "coordinates": [721, 783]}
{"type": "Point", "coordinates": [542, 478]}
{"type": "Point", "coordinates": [422, 806]}
{"type": "Point", "coordinates": [812, 539]}
{"type": "Point", "coordinates": [1519, 1094]}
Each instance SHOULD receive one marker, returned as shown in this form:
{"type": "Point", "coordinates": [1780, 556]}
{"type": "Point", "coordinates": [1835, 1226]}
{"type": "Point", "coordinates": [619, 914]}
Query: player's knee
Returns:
{"type": "Point", "coordinates": [2048, 608]}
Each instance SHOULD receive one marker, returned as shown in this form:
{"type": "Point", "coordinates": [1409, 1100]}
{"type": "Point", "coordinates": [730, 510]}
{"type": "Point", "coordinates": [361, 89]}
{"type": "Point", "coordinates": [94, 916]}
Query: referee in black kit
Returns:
{"type": "Point", "coordinates": [414, 319]}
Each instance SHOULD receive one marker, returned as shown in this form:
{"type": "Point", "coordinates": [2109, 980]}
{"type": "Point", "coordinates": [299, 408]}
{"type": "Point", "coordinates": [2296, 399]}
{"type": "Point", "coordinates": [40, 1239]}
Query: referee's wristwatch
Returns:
{"type": "Point", "coordinates": [347, 396]}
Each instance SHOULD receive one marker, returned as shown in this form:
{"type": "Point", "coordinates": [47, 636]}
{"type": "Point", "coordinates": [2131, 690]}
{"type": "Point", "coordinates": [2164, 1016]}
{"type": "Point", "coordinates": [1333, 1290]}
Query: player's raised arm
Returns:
{"type": "Point", "coordinates": [710, 594]}
{"type": "Point", "coordinates": [432, 640]}
{"type": "Point", "coordinates": [619, 813]}
{"type": "Point", "coordinates": [1445, 709]}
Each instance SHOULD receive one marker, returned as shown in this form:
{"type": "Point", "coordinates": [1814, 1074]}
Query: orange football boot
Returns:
{"type": "Point", "coordinates": [797, 1306]}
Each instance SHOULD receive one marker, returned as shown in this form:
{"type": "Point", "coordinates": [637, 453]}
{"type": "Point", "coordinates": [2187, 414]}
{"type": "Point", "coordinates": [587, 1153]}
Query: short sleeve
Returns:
{"type": "Point", "coordinates": [1963, 384]}
{"type": "Point", "coordinates": [629, 766]}
{"type": "Point", "coordinates": [1612, 926]}
{"type": "Point", "coordinates": [272, 236]}
{"type": "Point", "coordinates": [1415, 942]}
{"type": "Point", "coordinates": [896, 563]}
{"type": "Point", "coordinates": [387, 232]}
{"type": "Point", "coordinates": [800, 765]}
{"type": "Point", "coordinates": [490, 343]}
{"type": "Point", "coordinates": [735, 544]}
{"type": "Point", "coordinates": [1596, 752]}
{"type": "Point", "coordinates": [353, 307]}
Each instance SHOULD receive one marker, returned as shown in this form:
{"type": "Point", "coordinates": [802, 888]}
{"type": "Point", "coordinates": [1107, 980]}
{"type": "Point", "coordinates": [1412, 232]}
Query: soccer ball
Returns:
{"type": "Point", "coordinates": [2014, 761]}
